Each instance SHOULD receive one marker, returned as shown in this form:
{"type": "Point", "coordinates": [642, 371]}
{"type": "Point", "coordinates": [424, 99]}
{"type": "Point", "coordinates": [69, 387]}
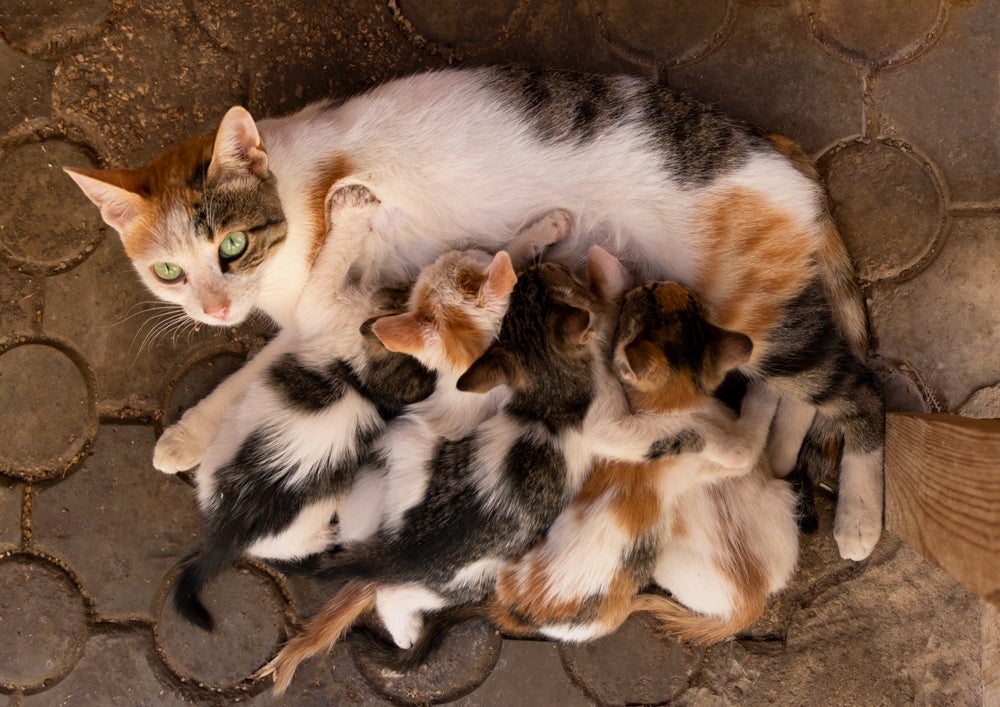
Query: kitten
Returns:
{"type": "Point", "coordinates": [455, 311]}
{"type": "Point", "coordinates": [492, 494]}
{"type": "Point", "coordinates": [678, 191]}
{"type": "Point", "coordinates": [272, 477]}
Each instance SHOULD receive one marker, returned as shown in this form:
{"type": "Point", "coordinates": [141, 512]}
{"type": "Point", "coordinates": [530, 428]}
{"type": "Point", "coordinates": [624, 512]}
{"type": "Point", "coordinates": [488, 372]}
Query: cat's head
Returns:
{"type": "Point", "coordinates": [667, 354]}
{"type": "Point", "coordinates": [455, 310]}
{"type": "Point", "coordinates": [553, 325]}
{"type": "Point", "coordinates": [199, 222]}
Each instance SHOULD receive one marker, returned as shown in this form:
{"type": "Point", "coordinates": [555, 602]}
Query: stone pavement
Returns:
{"type": "Point", "coordinates": [898, 102]}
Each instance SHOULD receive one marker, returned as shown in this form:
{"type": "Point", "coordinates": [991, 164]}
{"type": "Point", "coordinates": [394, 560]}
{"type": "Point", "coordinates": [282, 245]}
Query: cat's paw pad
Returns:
{"type": "Point", "coordinates": [554, 226]}
{"type": "Point", "coordinates": [857, 532]}
{"type": "Point", "coordinates": [350, 196]}
{"type": "Point", "coordinates": [177, 450]}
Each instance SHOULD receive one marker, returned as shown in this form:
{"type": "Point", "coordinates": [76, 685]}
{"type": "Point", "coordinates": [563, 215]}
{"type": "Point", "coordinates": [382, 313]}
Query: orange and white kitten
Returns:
{"type": "Point", "coordinates": [225, 225]}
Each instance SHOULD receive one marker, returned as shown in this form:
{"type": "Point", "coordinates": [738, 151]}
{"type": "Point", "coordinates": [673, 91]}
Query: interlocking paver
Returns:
{"type": "Point", "coordinates": [888, 206]}
{"type": "Point", "coordinates": [811, 97]}
{"type": "Point", "coordinates": [42, 622]}
{"type": "Point", "coordinates": [527, 673]}
{"type": "Point", "coordinates": [944, 321]}
{"type": "Point", "coordinates": [11, 496]}
{"type": "Point", "coordinates": [146, 521]}
{"type": "Point", "coordinates": [946, 102]}
{"type": "Point", "coordinates": [42, 27]}
{"type": "Point", "coordinates": [45, 411]}
{"type": "Point", "coordinates": [20, 100]}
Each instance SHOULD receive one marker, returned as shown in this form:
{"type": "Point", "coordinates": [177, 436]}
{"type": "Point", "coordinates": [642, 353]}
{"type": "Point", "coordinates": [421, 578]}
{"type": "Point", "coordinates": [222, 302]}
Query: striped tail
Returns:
{"type": "Point", "coordinates": [321, 632]}
{"type": "Point", "coordinates": [682, 623]}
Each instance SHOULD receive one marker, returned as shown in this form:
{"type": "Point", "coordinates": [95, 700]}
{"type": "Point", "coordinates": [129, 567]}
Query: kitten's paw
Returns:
{"type": "Point", "coordinates": [178, 449]}
{"type": "Point", "coordinates": [856, 531]}
{"type": "Point", "coordinates": [350, 196]}
{"type": "Point", "coordinates": [553, 227]}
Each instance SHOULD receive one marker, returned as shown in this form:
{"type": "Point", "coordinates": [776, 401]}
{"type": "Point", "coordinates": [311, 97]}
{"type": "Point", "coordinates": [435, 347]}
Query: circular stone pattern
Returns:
{"type": "Point", "coordinates": [197, 381]}
{"type": "Point", "coordinates": [249, 623]}
{"type": "Point", "coordinates": [882, 33]}
{"type": "Point", "coordinates": [45, 412]}
{"type": "Point", "coordinates": [43, 624]}
{"type": "Point", "coordinates": [633, 665]}
{"type": "Point", "coordinates": [45, 220]}
{"type": "Point", "coordinates": [462, 663]}
{"type": "Point", "coordinates": [458, 23]}
{"type": "Point", "coordinates": [887, 205]}
{"type": "Point", "coordinates": [39, 26]}
{"type": "Point", "coordinates": [669, 32]}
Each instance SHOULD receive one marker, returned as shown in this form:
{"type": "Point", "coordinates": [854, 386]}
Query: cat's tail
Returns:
{"type": "Point", "coordinates": [197, 570]}
{"type": "Point", "coordinates": [680, 622]}
{"type": "Point", "coordinates": [838, 273]}
{"type": "Point", "coordinates": [321, 632]}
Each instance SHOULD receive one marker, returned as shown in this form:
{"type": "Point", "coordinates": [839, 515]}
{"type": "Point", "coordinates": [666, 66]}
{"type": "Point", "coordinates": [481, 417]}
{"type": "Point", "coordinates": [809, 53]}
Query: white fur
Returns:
{"type": "Point", "coordinates": [308, 534]}
{"type": "Point", "coordinates": [401, 609]}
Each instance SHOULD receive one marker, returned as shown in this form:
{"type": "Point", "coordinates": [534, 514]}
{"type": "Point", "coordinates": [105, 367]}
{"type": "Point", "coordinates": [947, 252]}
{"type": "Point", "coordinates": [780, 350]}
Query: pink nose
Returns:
{"type": "Point", "coordinates": [219, 311]}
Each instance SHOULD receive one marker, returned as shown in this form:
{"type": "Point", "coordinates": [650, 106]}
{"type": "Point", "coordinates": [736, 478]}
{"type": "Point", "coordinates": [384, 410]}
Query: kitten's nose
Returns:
{"type": "Point", "coordinates": [219, 311]}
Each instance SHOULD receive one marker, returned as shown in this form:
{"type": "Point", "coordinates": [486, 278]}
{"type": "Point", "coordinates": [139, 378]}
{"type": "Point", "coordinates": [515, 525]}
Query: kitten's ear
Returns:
{"type": "Point", "coordinates": [633, 362]}
{"type": "Point", "coordinates": [486, 373]}
{"type": "Point", "coordinates": [608, 277]}
{"type": "Point", "coordinates": [238, 150]}
{"type": "Point", "coordinates": [114, 192]}
{"type": "Point", "coordinates": [575, 326]}
{"type": "Point", "coordinates": [728, 350]}
{"type": "Point", "coordinates": [400, 333]}
{"type": "Point", "coordinates": [500, 278]}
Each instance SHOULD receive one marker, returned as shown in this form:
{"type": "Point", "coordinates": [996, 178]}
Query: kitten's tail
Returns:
{"type": "Point", "coordinates": [321, 632]}
{"type": "Point", "coordinates": [198, 569]}
{"type": "Point", "coordinates": [682, 623]}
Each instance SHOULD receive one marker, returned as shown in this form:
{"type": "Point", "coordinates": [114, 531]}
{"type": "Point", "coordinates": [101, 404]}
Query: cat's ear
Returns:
{"type": "Point", "coordinates": [500, 278]}
{"type": "Point", "coordinates": [575, 325]}
{"type": "Point", "coordinates": [238, 150]}
{"type": "Point", "coordinates": [634, 361]}
{"type": "Point", "coordinates": [114, 192]}
{"type": "Point", "coordinates": [608, 277]}
{"type": "Point", "coordinates": [488, 371]}
{"type": "Point", "coordinates": [401, 333]}
{"type": "Point", "coordinates": [727, 350]}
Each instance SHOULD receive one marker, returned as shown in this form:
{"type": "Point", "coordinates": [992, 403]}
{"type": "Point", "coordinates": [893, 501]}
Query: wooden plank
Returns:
{"type": "Point", "coordinates": [942, 494]}
{"type": "Point", "coordinates": [991, 655]}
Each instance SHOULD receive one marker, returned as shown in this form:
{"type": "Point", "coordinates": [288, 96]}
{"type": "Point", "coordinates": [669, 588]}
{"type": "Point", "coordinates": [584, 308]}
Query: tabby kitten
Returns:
{"type": "Point", "coordinates": [271, 479]}
{"type": "Point", "coordinates": [678, 191]}
{"type": "Point", "coordinates": [491, 494]}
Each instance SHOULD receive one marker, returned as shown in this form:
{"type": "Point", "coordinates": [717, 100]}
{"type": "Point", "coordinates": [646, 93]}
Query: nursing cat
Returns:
{"type": "Point", "coordinates": [492, 494]}
{"type": "Point", "coordinates": [226, 225]}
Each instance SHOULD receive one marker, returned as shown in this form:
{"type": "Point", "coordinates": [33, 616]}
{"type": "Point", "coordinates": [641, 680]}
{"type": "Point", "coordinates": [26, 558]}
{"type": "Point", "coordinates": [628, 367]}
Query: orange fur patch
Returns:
{"type": "Point", "coordinates": [461, 339]}
{"type": "Point", "coordinates": [331, 170]}
{"type": "Point", "coordinates": [757, 258]}
{"type": "Point", "coordinates": [791, 149]}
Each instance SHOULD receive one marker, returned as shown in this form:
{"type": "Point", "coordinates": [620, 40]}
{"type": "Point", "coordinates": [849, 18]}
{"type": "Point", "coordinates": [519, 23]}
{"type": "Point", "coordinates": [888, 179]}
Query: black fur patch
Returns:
{"type": "Point", "coordinates": [681, 443]}
{"type": "Point", "coordinates": [310, 389]}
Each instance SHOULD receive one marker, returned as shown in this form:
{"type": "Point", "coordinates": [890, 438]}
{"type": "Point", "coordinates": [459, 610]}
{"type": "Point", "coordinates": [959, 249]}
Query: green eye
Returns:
{"type": "Point", "coordinates": [168, 272]}
{"type": "Point", "coordinates": [233, 244]}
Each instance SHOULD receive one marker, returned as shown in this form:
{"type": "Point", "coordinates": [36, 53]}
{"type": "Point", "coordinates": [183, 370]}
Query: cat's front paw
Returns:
{"type": "Point", "coordinates": [350, 196]}
{"type": "Point", "coordinates": [856, 529]}
{"type": "Point", "coordinates": [179, 449]}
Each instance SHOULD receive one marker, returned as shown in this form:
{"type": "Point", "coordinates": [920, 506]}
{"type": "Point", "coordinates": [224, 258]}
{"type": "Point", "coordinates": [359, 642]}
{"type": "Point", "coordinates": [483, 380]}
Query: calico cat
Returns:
{"type": "Point", "coordinates": [226, 225]}
{"type": "Point", "coordinates": [271, 478]}
{"type": "Point", "coordinates": [492, 494]}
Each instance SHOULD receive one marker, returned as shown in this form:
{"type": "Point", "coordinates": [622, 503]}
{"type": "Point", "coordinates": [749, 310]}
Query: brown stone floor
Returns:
{"type": "Point", "coordinates": [898, 101]}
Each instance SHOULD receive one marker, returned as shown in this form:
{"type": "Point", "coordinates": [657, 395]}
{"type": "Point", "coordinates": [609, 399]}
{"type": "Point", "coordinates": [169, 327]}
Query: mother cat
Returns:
{"type": "Point", "coordinates": [225, 225]}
